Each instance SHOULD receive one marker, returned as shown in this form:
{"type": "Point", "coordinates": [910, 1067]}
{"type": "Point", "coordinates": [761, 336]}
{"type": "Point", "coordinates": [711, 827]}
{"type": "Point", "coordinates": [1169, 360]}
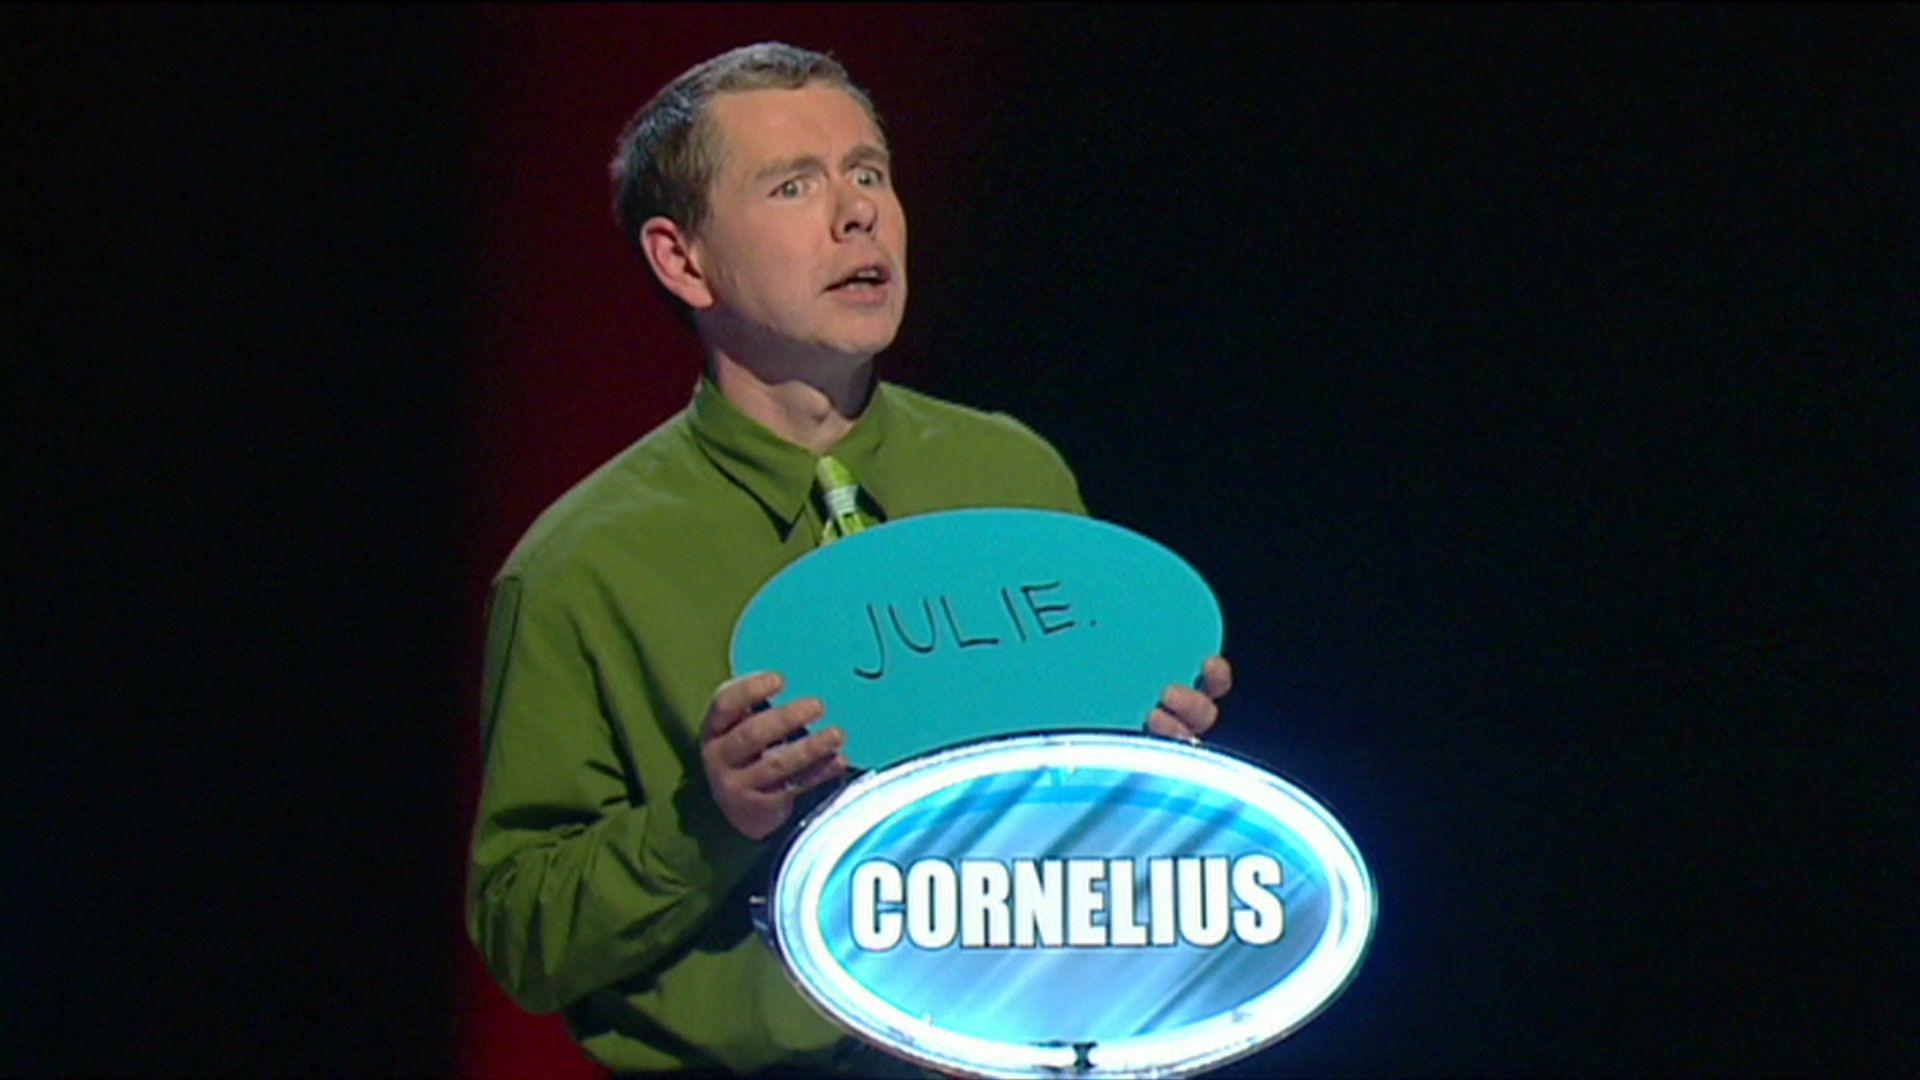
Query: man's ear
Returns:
{"type": "Point", "coordinates": [669, 250]}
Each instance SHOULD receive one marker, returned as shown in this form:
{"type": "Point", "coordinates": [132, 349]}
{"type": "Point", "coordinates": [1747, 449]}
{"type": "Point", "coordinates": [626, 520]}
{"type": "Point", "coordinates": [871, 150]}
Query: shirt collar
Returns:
{"type": "Point", "coordinates": [774, 471]}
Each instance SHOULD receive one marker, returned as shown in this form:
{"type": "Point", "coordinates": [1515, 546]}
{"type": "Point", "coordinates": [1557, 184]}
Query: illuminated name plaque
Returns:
{"type": "Point", "coordinates": [1089, 903]}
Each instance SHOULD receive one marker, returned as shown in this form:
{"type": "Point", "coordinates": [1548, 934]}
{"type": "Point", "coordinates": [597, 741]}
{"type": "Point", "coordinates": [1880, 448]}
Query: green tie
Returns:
{"type": "Point", "coordinates": [841, 493]}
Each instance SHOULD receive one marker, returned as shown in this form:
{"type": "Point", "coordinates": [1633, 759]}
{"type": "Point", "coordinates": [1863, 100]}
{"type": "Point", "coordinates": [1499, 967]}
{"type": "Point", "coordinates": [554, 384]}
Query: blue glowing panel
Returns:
{"type": "Point", "coordinates": [936, 630]}
{"type": "Point", "coordinates": [1109, 904]}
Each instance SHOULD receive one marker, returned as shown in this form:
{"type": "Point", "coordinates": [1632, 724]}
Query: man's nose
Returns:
{"type": "Point", "coordinates": [858, 213]}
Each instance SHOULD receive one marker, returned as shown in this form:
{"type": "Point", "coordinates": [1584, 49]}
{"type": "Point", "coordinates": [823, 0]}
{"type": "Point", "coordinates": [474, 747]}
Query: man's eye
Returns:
{"type": "Point", "coordinates": [789, 189]}
{"type": "Point", "coordinates": [870, 178]}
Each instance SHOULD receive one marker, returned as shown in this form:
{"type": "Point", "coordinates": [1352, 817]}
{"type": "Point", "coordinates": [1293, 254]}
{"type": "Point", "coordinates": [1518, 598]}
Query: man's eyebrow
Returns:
{"type": "Point", "coordinates": [803, 163]}
{"type": "Point", "coordinates": [866, 154]}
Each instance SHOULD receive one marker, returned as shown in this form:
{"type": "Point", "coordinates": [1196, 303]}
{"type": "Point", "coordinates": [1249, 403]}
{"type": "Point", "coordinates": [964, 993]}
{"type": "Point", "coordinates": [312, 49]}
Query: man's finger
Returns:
{"type": "Point", "coordinates": [736, 699]}
{"type": "Point", "coordinates": [746, 742]}
{"type": "Point", "coordinates": [821, 772]}
{"type": "Point", "coordinates": [1168, 725]}
{"type": "Point", "coordinates": [1192, 708]}
{"type": "Point", "coordinates": [1216, 677]}
{"type": "Point", "coordinates": [780, 765]}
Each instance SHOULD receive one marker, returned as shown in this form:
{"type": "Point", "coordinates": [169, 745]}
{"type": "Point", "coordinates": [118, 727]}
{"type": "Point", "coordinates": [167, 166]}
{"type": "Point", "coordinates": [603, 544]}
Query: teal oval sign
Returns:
{"type": "Point", "coordinates": [1090, 904]}
{"type": "Point", "coordinates": [935, 630]}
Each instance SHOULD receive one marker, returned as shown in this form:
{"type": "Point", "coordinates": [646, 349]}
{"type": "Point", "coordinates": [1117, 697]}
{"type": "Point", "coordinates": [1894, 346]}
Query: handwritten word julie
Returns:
{"type": "Point", "coordinates": [923, 634]}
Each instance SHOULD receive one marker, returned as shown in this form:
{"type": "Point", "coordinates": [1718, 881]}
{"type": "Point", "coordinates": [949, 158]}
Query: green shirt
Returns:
{"type": "Point", "coordinates": [604, 880]}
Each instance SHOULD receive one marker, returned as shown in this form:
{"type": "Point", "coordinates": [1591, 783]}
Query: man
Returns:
{"type": "Point", "coordinates": [630, 786]}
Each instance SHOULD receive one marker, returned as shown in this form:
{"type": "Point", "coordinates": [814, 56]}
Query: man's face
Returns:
{"type": "Point", "coordinates": [805, 244]}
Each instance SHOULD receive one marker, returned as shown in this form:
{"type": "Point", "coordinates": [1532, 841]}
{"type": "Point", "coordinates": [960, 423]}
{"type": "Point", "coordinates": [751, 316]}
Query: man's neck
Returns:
{"type": "Point", "coordinates": [815, 410]}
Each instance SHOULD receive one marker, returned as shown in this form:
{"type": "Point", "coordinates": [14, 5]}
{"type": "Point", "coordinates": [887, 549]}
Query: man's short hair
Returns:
{"type": "Point", "coordinates": [668, 153]}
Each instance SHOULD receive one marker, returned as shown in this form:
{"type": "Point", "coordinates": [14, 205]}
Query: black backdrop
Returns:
{"type": "Point", "coordinates": [1535, 387]}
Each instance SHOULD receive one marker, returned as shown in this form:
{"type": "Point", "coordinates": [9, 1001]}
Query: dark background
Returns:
{"type": "Point", "coordinates": [1534, 386]}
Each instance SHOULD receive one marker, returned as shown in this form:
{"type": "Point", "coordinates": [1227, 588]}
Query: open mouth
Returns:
{"type": "Point", "coordinates": [868, 277]}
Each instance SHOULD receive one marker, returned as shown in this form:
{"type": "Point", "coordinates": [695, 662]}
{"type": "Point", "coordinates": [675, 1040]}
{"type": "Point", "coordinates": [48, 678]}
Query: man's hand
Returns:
{"type": "Point", "coordinates": [753, 771]}
{"type": "Point", "coordinates": [1185, 713]}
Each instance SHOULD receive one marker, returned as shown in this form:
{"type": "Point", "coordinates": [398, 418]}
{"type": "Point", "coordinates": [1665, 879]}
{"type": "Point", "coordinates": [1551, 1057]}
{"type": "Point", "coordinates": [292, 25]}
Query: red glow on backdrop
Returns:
{"type": "Point", "coordinates": [571, 357]}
